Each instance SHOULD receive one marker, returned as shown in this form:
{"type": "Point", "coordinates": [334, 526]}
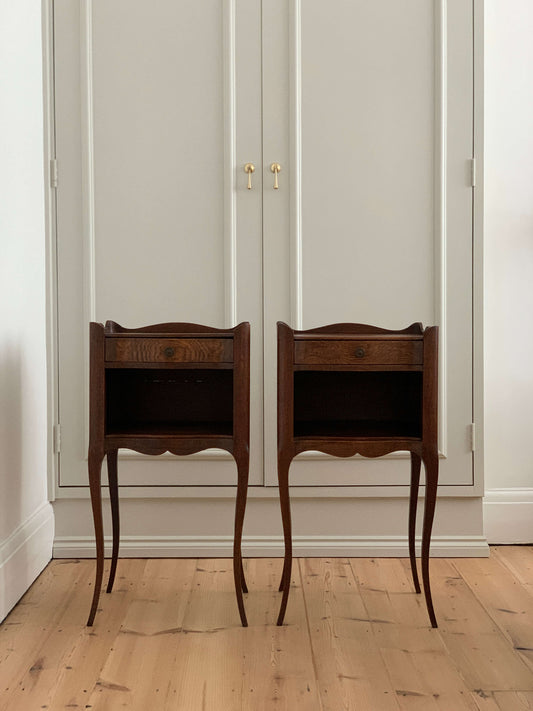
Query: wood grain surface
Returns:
{"type": "Point", "coordinates": [356, 637]}
{"type": "Point", "coordinates": [324, 407]}
{"type": "Point", "coordinates": [165, 350]}
{"type": "Point", "coordinates": [359, 352]}
{"type": "Point", "coordinates": [155, 411]}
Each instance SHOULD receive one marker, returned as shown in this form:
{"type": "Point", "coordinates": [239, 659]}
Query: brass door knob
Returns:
{"type": "Point", "coordinates": [249, 168]}
{"type": "Point", "coordinates": [275, 168]}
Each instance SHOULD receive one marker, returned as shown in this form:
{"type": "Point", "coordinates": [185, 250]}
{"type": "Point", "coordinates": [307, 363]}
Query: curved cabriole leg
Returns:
{"type": "Point", "coordinates": [285, 585]}
{"type": "Point", "coordinates": [243, 465]}
{"type": "Point", "coordinates": [95, 468]}
{"type": "Point", "coordinates": [431, 465]}
{"type": "Point", "coordinates": [283, 575]}
{"type": "Point", "coordinates": [113, 495]}
{"type": "Point", "coordinates": [244, 587]}
{"type": "Point", "coordinates": [413, 501]}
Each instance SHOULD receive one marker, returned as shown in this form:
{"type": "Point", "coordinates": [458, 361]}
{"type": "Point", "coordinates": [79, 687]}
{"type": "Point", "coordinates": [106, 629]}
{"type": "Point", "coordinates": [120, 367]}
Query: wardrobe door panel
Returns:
{"type": "Point", "coordinates": [378, 203]}
{"type": "Point", "coordinates": [158, 107]}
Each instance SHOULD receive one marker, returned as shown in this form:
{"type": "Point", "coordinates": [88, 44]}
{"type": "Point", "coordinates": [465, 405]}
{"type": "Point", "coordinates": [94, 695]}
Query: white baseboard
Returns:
{"type": "Point", "coordinates": [508, 515]}
{"type": "Point", "coordinates": [23, 555]}
{"type": "Point", "coordinates": [270, 546]}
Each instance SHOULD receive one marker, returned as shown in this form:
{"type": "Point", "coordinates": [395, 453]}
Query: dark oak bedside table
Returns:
{"type": "Point", "coordinates": [176, 387]}
{"type": "Point", "coordinates": [350, 389]}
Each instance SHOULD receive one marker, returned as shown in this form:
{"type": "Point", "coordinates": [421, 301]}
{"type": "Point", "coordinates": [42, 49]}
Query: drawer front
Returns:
{"type": "Point", "coordinates": [353, 352]}
{"type": "Point", "coordinates": [169, 350]}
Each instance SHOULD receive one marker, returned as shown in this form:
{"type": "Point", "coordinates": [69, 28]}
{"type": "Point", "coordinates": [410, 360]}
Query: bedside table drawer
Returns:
{"type": "Point", "coordinates": [355, 352]}
{"type": "Point", "coordinates": [169, 350]}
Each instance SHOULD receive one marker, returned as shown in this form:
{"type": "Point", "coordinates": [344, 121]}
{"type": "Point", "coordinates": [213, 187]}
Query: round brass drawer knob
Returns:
{"type": "Point", "coordinates": [360, 352]}
{"type": "Point", "coordinates": [169, 352]}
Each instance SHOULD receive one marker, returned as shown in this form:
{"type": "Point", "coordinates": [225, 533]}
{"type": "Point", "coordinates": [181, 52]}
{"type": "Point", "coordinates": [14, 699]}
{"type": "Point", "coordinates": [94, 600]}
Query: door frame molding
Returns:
{"type": "Point", "coordinates": [51, 296]}
{"type": "Point", "coordinates": [477, 247]}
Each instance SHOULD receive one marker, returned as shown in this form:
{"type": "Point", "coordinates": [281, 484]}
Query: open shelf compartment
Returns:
{"type": "Point", "coordinates": [169, 402]}
{"type": "Point", "coordinates": [375, 404]}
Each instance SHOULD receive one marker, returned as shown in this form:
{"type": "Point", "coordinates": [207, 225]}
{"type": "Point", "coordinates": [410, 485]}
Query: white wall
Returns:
{"type": "Point", "coordinates": [508, 270]}
{"type": "Point", "coordinates": [26, 523]}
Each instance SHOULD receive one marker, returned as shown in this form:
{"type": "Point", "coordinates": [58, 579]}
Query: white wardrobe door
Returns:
{"type": "Point", "coordinates": [374, 220]}
{"type": "Point", "coordinates": [157, 109]}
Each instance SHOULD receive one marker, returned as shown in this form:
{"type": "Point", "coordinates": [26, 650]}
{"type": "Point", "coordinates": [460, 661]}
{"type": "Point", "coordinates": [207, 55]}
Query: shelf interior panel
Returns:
{"type": "Point", "coordinates": [358, 404]}
{"type": "Point", "coordinates": [161, 401]}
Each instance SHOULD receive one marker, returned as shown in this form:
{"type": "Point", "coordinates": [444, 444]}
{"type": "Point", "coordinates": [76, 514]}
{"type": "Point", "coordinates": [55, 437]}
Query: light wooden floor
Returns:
{"type": "Point", "coordinates": [356, 637]}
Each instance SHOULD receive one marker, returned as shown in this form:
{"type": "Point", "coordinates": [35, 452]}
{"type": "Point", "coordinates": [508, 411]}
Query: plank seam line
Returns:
{"type": "Point", "coordinates": [503, 632]}
{"type": "Point", "coordinates": [309, 636]}
{"type": "Point", "coordinates": [515, 573]}
{"type": "Point", "coordinates": [378, 646]}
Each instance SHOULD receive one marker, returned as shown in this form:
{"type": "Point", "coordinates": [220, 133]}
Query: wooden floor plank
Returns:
{"type": "Point", "coordinates": [208, 664]}
{"type": "Point", "coordinates": [138, 669]}
{"type": "Point", "coordinates": [503, 700]}
{"type": "Point", "coordinates": [50, 634]}
{"type": "Point", "coordinates": [67, 661]}
{"type": "Point", "coordinates": [24, 627]}
{"type": "Point", "coordinates": [356, 637]}
{"type": "Point", "coordinates": [505, 600]}
{"type": "Point", "coordinates": [348, 664]}
{"type": "Point", "coordinates": [278, 670]}
{"type": "Point", "coordinates": [519, 560]}
{"type": "Point", "coordinates": [422, 673]}
{"type": "Point", "coordinates": [80, 668]}
{"type": "Point", "coordinates": [484, 655]}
